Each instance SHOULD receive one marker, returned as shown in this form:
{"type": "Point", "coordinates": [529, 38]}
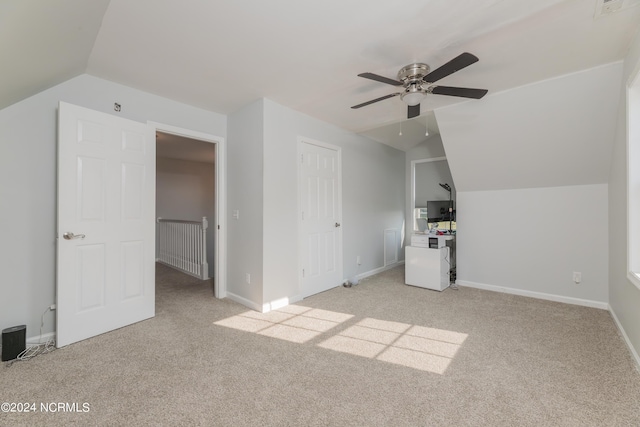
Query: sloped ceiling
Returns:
{"type": "Point", "coordinates": [221, 55]}
{"type": "Point", "coordinates": [43, 43]}
{"type": "Point", "coordinates": [557, 132]}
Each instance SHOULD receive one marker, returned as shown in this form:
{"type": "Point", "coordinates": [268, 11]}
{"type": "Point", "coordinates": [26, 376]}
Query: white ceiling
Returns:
{"type": "Point", "coordinates": [221, 55]}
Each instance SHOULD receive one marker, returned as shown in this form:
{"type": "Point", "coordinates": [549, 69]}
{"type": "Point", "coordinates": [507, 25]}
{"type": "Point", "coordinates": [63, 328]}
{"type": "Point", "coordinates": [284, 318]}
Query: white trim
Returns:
{"type": "Point", "coordinates": [412, 184]}
{"type": "Point", "coordinates": [41, 339]}
{"type": "Point", "coordinates": [243, 301]}
{"type": "Point", "coordinates": [220, 255]}
{"type": "Point", "coordinates": [632, 135]}
{"type": "Point", "coordinates": [338, 150]}
{"type": "Point", "coordinates": [279, 303]}
{"type": "Point", "coordinates": [634, 278]}
{"type": "Point", "coordinates": [433, 159]}
{"type": "Point", "coordinates": [633, 351]}
{"type": "Point", "coordinates": [384, 245]}
{"type": "Point", "coordinates": [538, 295]}
{"type": "Point", "coordinates": [378, 270]}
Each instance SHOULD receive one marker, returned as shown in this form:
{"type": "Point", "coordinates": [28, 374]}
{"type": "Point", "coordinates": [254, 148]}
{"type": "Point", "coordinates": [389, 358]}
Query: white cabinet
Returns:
{"type": "Point", "coordinates": [427, 267]}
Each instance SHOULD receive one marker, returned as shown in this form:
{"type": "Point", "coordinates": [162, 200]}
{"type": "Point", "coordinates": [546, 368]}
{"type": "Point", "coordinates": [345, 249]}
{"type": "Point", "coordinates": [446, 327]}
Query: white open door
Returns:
{"type": "Point", "coordinates": [320, 225]}
{"type": "Point", "coordinates": [105, 232]}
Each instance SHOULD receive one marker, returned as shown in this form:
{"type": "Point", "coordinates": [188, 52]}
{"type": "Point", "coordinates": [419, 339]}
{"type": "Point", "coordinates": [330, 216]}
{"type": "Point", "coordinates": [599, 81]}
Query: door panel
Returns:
{"type": "Point", "coordinates": [320, 230]}
{"type": "Point", "coordinates": [90, 281]}
{"type": "Point", "coordinates": [106, 198]}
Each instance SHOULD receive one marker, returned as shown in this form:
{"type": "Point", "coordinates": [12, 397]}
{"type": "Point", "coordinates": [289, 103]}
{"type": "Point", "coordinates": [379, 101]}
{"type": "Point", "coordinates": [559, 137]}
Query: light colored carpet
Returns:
{"type": "Point", "coordinates": [378, 354]}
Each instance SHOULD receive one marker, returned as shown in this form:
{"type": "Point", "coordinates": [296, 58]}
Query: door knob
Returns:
{"type": "Point", "coordinates": [70, 236]}
{"type": "Point", "coordinates": [337, 224]}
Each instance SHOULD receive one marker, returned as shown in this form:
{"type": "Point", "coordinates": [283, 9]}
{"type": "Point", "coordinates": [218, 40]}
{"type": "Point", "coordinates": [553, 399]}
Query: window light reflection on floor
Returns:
{"type": "Point", "coordinates": [291, 323]}
{"type": "Point", "coordinates": [417, 347]}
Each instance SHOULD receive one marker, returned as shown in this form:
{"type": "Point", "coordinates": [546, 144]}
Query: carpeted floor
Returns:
{"type": "Point", "coordinates": [378, 354]}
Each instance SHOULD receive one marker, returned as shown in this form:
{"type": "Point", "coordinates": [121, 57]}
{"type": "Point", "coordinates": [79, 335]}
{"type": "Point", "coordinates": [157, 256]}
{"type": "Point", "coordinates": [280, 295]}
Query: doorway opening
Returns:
{"type": "Point", "coordinates": [190, 197]}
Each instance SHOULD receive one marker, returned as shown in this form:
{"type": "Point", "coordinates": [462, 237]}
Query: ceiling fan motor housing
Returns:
{"type": "Point", "coordinates": [413, 73]}
{"type": "Point", "coordinates": [411, 77]}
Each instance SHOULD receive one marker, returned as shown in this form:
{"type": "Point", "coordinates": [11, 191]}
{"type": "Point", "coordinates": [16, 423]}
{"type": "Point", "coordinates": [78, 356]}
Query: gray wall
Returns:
{"type": "Point", "coordinates": [532, 240]}
{"type": "Point", "coordinates": [28, 191]}
{"type": "Point", "coordinates": [545, 167]}
{"type": "Point", "coordinates": [624, 297]}
{"type": "Point", "coordinates": [428, 176]}
{"type": "Point", "coordinates": [185, 190]}
{"type": "Point", "coordinates": [263, 185]}
{"type": "Point", "coordinates": [372, 197]}
{"type": "Point", "coordinates": [245, 171]}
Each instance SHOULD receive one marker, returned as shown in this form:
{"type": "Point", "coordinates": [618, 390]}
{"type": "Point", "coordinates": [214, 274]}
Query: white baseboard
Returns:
{"type": "Point", "coordinates": [266, 307]}
{"type": "Point", "coordinates": [274, 305]}
{"type": "Point", "coordinates": [41, 339]}
{"type": "Point", "coordinates": [279, 303]}
{"type": "Point", "coordinates": [241, 300]}
{"type": "Point", "coordinates": [378, 270]}
{"type": "Point", "coordinates": [633, 351]}
{"type": "Point", "coordinates": [532, 294]}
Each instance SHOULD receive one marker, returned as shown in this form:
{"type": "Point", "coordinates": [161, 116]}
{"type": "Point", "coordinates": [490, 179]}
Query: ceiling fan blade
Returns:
{"type": "Point", "coordinates": [463, 92]}
{"type": "Point", "coordinates": [382, 98]}
{"type": "Point", "coordinates": [458, 63]}
{"type": "Point", "coordinates": [380, 79]}
{"type": "Point", "coordinates": [413, 111]}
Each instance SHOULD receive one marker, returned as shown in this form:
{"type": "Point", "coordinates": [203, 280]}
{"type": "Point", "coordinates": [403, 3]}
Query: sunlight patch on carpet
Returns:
{"type": "Point", "coordinates": [291, 323]}
{"type": "Point", "coordinates": [417, 347]}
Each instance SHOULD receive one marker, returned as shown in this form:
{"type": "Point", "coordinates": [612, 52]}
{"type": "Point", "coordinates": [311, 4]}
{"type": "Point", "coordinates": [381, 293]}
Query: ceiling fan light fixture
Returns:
{"type": "Point", "coordinates": [413, 96]}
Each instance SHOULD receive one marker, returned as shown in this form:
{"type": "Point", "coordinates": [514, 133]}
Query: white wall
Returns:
{"type": "Point", "coordinates": [245, 171]}
{"type": "Point", "coordinates": [372, 197]}
{"type": "Point", "coordinates": [429, 149]}
{"type": "Point", "coordinates": [529, 149]}
{"type": "Point", "coordinates": [185, 190]}
{"type": "Point", "coordinates": [557, 132]}
{"type": "Point", "coordinates": [428, 176]}
{"type": "Point", "coordinates": [28, 189]}
{"type": "Point", "coordinates": [531, 241]}
{"type": "Point", "coordinates": [624, 297]}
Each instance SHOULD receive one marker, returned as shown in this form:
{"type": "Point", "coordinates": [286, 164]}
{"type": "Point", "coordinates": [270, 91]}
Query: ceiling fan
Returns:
{"type": "Point", "coordinates": [417, 80]}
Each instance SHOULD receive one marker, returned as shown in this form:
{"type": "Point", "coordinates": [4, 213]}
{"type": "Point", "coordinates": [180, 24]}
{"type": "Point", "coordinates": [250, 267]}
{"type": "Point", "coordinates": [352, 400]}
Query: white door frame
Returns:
{"type": "Point", "coordinates": [410, 220]}
{"type": "Point", "coordinates": [301, 238]}
{"type": "Point", "coordinates": [219, 222]}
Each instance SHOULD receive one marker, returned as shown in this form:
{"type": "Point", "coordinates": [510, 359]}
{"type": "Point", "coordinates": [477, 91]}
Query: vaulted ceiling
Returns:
{"type": "Point", "coordinates": [221, 55]}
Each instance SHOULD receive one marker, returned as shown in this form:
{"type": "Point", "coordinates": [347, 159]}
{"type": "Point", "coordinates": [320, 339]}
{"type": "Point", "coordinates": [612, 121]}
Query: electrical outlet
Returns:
{"type": "Point", "coordinates": [236, 214]}
{"type": "Point", "coordinates": [248, 277]}
{"type": "Point", "coordinates": [358, 260]}
{"type": "Point", "coordinates": [577, 277]}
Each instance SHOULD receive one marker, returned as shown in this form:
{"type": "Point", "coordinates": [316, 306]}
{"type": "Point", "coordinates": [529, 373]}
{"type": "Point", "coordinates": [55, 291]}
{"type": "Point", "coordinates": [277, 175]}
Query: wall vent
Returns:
{"type": "Point", "coordinates": [607, 7]}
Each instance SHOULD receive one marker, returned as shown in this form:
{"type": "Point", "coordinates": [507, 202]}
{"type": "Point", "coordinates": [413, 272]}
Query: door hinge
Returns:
{"type": "Point", "coordinates": [302, 214]}
{"type": "Point", "coordinates": [301, 158]}
{"type": "Point", "coordinates": [218, 227]}
{"type": "Point", "coordinates": [303, 272]}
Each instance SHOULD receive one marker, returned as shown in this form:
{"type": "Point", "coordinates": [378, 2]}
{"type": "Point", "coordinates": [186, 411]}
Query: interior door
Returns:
{"type": "Point", "coordinates": [105, 230]}
{"type": "Point", "coordinates": [320, 226]}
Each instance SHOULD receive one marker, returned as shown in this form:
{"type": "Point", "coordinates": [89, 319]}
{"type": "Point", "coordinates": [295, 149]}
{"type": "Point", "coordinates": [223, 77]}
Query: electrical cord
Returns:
{"type": "Point", "coordinates": [453, 285]}
{"type": "Point", "coordinates": [36, 349]}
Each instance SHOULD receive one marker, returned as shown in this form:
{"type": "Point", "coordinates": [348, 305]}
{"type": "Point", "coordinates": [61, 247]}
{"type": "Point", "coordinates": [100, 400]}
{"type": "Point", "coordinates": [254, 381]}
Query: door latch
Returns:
{"type": "Point", "coordinates": [70, 236]}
